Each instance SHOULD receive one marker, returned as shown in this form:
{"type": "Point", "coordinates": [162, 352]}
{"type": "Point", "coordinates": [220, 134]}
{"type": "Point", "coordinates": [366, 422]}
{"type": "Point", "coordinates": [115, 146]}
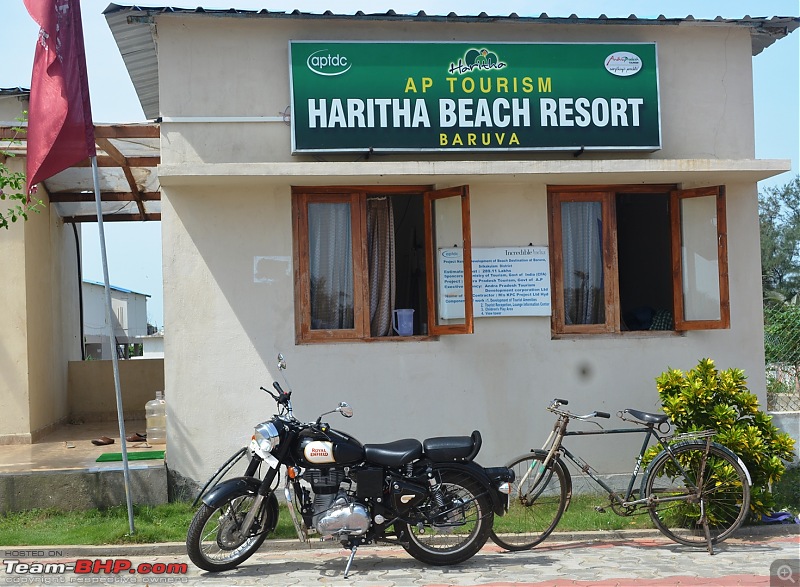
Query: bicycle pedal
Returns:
{"type": "Point", "coordinates": [599, 509]}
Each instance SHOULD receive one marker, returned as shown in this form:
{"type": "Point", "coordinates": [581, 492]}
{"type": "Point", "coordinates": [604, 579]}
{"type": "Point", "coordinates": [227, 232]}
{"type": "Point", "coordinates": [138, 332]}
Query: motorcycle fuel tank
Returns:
{"type": "Point", "coordinates": [317, 448]}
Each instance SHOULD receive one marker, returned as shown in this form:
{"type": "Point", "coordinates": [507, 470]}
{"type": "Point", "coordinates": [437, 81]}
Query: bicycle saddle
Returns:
{"type": "Point", "coordinates": [647, 416]}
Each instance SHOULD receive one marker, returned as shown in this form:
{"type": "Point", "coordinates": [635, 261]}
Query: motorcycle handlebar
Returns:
{"type": "Point", "coordinates": [282, 397]}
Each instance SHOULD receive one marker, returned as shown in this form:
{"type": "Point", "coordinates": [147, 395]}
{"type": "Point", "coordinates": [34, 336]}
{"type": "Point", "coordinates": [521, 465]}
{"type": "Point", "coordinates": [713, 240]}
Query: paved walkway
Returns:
{"type": "Point", "coordinates": [755, 561]}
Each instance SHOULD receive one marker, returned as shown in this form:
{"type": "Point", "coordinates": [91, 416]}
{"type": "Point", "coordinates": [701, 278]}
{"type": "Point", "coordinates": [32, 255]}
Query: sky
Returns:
{"type": "Point", "coordinates": [134, 248]}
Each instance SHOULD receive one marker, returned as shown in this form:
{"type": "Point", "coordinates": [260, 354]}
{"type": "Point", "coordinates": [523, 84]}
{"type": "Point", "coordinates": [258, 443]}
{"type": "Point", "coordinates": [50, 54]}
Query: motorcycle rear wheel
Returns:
{"type": "Point", "coordinates": [212, 541]}
{"type": "Point", "coordinates": [457, 534]}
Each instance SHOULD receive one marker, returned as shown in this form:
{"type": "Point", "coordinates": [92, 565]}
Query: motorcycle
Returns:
{"type": "Point", "coordinates": [429, 497]}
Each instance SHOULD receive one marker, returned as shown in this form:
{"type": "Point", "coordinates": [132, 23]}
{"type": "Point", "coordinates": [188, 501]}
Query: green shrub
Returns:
{"type": "Point", "coordinates": [705, 398]}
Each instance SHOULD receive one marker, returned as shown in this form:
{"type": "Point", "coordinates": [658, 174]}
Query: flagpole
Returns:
{"type": "Point", "coordinates": [110, 333]}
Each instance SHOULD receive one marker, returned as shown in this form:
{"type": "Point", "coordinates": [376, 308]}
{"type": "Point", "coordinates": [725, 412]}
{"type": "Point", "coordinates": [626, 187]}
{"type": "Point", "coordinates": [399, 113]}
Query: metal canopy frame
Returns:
{"type": "Point", "coordinates": [127, 157]}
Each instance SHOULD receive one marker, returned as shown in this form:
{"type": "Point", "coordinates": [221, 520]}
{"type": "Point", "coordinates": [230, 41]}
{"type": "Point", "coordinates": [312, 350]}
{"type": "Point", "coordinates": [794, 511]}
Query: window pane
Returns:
{"type": "Point", "coordinates": [330, 246]}
{"type": "Point", "coordinates": [700, 258]}
{"type": "Point", "coordinates": [450, 283]}
{"type": "Point", "coordinates": [582, 250]}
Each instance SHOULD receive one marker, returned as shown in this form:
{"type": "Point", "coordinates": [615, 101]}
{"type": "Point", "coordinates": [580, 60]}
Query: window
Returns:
{"type": "Point", "coordinates": [634, 258]}
{"type": "Point", "coordinates": [362, 253]}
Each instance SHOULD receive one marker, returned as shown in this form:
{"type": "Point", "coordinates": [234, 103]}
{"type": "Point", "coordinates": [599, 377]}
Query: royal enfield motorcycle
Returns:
{"type": "Point", "coordinates": [430, 497]}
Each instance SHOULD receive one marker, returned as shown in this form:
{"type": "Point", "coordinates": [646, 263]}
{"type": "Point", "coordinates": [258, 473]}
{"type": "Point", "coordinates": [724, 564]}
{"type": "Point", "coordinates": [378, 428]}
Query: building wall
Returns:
{"type": "Point", "coordinates": [707, 105]}
{"type": "Point", "coordinates": [497, 380]}
{"type": "Point", "coordinates": [40, 319]}
{"type": "Point", "coordinates": [92, 396]}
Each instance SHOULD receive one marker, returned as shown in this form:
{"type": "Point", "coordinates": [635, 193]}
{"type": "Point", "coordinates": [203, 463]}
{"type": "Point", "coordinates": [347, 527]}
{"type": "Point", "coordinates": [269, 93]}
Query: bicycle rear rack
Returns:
{"type": "Point", "coordinates": [694, 435]}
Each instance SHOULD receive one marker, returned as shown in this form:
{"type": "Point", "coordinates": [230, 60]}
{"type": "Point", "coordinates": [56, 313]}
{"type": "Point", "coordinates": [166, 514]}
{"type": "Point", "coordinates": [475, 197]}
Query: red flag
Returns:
{"type": "Point", "coordinates": [60, 128]}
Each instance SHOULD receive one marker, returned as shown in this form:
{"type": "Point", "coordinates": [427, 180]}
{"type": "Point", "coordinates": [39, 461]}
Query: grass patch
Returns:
{"type": "Point", "coordinates": [581, 515]}
{"type": "Point", "coordinates": [162, 523]}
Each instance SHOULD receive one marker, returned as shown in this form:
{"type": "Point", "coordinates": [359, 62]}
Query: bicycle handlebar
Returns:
{"type": "Point", "coordinates": [556, 403]}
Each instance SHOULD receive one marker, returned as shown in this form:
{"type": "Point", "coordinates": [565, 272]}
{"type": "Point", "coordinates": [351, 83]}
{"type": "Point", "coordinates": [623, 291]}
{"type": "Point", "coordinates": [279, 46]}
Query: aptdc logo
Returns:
{"type": "Point", "coordinates": [323, 62]}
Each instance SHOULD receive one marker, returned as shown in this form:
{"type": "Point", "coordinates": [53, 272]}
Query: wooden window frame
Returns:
{"type": "Point", "coordinates": [357, 197]}
{"type": "Point", "coordinates": [434, 328]}
{"type": "Point", "coordinates": [676, 197]}
{"type": "Point", "coordinates": [606, 195]}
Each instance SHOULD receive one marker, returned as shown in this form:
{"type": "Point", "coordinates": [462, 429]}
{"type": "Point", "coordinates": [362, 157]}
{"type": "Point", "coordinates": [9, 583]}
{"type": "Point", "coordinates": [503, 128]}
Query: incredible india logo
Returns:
{"type": "Point", "coordinates": [480, 59]}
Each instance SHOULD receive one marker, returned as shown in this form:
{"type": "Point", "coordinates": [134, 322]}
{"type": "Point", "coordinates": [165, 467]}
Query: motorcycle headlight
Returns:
{"type": "Point", "coordinates": [267, 436]}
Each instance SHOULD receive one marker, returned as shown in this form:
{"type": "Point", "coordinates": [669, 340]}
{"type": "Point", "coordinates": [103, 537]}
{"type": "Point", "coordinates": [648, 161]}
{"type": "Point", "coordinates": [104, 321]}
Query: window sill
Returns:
{"type": "Point", "coordinates": [622, 334]}
{"type": "Point", "coordinates": [378, 339]}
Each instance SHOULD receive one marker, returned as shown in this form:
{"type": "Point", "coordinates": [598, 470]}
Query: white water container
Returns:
{"type": "Point", "coordinates": [156, 410]}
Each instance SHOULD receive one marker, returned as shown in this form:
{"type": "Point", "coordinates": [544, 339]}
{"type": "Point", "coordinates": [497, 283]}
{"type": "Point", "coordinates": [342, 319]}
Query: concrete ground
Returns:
{"type": "Point", "coordinates": [771, 560]}
{"type": "Point", "coordinates": [70, 447]}
{"type": "Point", "coordinates": [62, 471]}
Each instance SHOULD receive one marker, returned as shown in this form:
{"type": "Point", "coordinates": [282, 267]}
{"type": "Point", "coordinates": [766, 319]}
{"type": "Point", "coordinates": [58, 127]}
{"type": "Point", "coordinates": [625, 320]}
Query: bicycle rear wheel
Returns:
{"type": "Point", "coordinates": [723, 494]}
{"type": "Point", "coordinates": [537, 500]}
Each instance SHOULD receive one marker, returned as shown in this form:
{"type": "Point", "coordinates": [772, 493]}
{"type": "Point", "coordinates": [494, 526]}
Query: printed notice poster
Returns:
{"type": "Point", "coordinates": [506, 281]}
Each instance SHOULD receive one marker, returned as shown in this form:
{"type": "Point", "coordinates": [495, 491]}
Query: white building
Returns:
{"type": "Point", "coordinates": [129, 317]}
{"type": "Point", "coordinates": [614, 155]}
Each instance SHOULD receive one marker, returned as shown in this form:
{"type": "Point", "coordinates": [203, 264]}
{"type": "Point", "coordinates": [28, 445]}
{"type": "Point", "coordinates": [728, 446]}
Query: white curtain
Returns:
{"type": "Point", "coordinates": [331, 266]}
{"type": "Point", "coordinates": [582, 238]}
{"type": "Point", "coordinates": [380, 252]}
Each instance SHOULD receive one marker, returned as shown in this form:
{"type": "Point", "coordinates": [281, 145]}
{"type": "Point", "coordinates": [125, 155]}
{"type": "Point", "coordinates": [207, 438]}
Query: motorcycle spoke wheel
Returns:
{"type": "Point", "coordinates": [213, 541]}
{"type": "Point", "coordinates": [455, 529]}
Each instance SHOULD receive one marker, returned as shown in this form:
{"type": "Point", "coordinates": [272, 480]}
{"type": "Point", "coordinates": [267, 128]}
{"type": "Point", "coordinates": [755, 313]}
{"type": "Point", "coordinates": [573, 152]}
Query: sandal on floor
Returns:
{"type": "Point", "coordinates": [102, 441]}
{"type": "Point", "coordinates": [136, 437]}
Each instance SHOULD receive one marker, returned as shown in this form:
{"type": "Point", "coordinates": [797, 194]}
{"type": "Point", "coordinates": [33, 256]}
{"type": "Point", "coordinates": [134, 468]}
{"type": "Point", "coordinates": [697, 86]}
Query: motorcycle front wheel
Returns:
{"type": "Point", "coordinates": [453, 525]}
{"type": "Point", "coordinates": [214, 542]}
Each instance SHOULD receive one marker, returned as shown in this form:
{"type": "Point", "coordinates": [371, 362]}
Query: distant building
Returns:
{"type": "Point", "coordinates": [129, 315]}
{"type": "Point", "coordinates": [152, 346]}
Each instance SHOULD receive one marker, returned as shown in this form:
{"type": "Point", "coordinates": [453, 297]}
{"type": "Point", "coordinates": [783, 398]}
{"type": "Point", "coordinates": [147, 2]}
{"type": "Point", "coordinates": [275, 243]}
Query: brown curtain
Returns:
{"type": "Point", "coordinates": [382, 278]}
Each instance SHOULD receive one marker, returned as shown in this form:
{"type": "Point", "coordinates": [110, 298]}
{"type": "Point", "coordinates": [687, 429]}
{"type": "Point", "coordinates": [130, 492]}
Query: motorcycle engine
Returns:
{"type": "Point", "coordinates": [335, 512]}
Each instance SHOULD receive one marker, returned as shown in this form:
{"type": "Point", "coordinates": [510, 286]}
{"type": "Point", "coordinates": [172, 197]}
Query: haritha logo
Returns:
{"type": "Point", "coordinates": [322, 62]}
{"type": "Point", "coordinates": [480, 59]}
{"type": "Point", "coordinates": [623, 63]}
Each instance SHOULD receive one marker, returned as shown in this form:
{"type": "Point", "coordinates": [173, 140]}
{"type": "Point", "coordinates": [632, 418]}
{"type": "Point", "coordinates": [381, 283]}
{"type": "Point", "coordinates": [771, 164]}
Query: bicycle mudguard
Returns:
{"type": "Point", "coordinates": [471, 468]}
{"type": "Point", "coordinates": [701, 444]}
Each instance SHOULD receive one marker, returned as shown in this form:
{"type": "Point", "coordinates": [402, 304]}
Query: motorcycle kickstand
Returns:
{"type": "Point", "coordinates": [353, 550]}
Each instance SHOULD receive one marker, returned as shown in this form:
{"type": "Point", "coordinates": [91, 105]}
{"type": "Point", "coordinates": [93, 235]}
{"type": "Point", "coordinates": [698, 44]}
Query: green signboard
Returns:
{"type": "Point", "coordinates": [483, 96]}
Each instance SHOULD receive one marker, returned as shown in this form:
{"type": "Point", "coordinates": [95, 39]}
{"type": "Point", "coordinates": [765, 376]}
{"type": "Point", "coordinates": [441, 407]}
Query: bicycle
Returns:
{"type": "Point", "coordinates": [696, 491]}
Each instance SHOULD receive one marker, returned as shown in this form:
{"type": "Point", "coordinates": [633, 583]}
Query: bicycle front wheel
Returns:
{"type": "Point", "coordinates": [712, 484]}
{"type": "Point", "coordinates": [538, 498]}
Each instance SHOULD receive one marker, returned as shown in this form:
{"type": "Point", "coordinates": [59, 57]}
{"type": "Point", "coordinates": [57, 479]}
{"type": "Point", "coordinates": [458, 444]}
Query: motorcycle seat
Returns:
{"type": "Point", "coordinates": [393, 454]}
{"type": "Point", "coordinates": [442, 449]}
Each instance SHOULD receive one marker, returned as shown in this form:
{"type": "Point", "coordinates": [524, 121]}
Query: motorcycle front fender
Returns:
{"type": "Point", "coordinates": [499, 500]}
{"type": "Point", "coordinates": [219, 494]}
{"type": "Point", "coordinates": [237, 487]}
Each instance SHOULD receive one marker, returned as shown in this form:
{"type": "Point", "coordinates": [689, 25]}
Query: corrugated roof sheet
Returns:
{"type": "Point", "coordinates": [131, 27]}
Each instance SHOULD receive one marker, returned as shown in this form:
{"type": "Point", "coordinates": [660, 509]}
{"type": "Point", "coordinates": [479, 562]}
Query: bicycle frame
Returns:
{"type": "Point", "coordinates": [676, 474]}
{"type": "Point", "coordinates": [554, 444]}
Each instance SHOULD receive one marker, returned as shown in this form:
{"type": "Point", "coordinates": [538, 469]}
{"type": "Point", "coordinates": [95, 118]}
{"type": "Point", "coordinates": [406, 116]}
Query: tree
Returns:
{"type": "Point", "coordinates": [12, 187]}
{"type": "Point", "coordinates": [779, 217]}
